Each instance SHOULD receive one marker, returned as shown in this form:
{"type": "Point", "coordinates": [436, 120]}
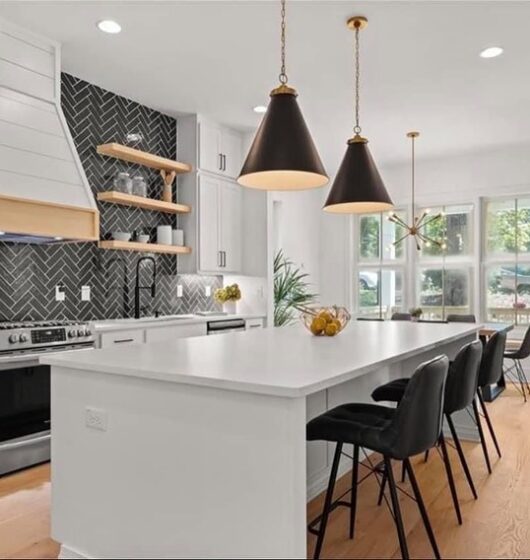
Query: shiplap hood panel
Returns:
{"type": "Point", "coordinates": [43, 188]}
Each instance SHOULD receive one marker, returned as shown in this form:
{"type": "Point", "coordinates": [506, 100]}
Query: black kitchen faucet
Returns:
{"type": "Point", "coordinates": [138, 288]}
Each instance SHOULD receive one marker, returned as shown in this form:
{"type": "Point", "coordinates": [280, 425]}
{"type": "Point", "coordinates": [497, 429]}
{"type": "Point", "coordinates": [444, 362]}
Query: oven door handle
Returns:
{"type": "Point", "coordinates": [31, 357]}
{"type": "Point", "coordinates": [23, 443]}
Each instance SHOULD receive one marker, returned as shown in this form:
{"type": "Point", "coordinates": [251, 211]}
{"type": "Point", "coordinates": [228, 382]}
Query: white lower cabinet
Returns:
{"type": "Point", "coordinates": [159, 334]}
{"type": "Point", "coordinates": [122, 338]}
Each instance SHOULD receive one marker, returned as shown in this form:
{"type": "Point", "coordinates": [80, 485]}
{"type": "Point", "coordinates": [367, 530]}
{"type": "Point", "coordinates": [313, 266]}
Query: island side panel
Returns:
{"type": "Point", "coordinates": [181, 471]}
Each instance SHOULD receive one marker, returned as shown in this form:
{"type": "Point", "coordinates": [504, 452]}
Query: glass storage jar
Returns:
{"type": "Point", "coordinates": [122, 183]}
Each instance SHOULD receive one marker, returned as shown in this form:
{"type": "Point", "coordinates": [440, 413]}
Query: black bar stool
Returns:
{"type": "Point", "coordinates": [490, 373]}
{"type": "Point", "coordinates": [521, 353]}
{"type": "Point", "coordinates": [460, 390]}
{"type": "Point", "coordinates": [411, 428]}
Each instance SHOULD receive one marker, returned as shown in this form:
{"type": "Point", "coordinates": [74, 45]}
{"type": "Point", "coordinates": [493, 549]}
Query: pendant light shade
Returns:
{"type": "Point", "coordinates": [358, 187]}
{"type": "Point", "coordinates": [283, 155]}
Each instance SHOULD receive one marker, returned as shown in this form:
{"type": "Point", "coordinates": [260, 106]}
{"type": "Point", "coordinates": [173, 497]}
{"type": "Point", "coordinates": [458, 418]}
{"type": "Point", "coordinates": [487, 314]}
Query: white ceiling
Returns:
{"type": "Point", "coordinates": [420, 65]}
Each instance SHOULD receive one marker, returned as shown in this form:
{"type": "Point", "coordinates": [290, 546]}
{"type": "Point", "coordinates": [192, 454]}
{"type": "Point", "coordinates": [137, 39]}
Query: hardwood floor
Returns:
{"type": "Point", "coordinates": [495, 526]}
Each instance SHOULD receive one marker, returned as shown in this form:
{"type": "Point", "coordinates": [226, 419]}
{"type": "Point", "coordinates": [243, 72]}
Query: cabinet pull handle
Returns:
{"type": "Point", "coordinates": [123, 340]}
{"type": "Point", "coordinates": [220, 162]}
{"type": "Point", "coordinates": [224, 162]}
{"type": "Point", "coordinates": [219, 259]}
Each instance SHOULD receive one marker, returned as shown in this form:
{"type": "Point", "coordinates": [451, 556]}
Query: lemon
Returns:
{"type": "Point", "coordinates": [318, 325]}
{"type": "Point", "coordinates": [326, 316]}
{"type": "Point", "coordinates": [331, 329]}
{"type": "Point", "coordinates": [337, 323]}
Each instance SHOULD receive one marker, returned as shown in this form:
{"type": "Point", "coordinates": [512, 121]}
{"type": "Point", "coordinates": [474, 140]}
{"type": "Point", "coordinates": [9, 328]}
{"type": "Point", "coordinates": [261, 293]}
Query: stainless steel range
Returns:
{"type": "Point", "coordinates": [25, 386]}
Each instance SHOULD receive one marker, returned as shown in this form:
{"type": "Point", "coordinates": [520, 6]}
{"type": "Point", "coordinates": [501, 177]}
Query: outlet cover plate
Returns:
{"type": "Point", "coordinates": [96, 419]}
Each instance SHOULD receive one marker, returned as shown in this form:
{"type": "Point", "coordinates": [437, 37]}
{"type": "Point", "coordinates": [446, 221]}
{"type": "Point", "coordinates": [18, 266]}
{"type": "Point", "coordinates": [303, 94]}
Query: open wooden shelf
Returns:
{"type": "Point", "coordinates": [132, 155]}
{"type": "Point", "coordinates": [125, 199]}
{"type": "Point", "coordinates": [144, 247]}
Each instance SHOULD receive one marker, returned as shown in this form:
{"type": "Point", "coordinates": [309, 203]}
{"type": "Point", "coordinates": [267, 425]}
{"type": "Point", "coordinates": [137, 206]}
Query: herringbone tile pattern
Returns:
{"type": "Point", "coordinates": [29, 273]}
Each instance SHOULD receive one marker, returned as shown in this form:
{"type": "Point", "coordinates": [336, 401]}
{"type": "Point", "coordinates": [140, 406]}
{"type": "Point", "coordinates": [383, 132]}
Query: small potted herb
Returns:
{"type": "Point", "coordinates": [416, 313]}
{"type": "Point", "coordinates": [228, 297]}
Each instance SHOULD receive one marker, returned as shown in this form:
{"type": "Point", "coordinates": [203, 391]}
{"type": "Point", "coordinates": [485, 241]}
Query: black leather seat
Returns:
{"type": "Point", "coordinates": [397, 316]}
{"type": "Point", "coordinates": [460, 390]}
{"type": "Point", "coordinates": [490, 372]}
{"type": "Point", "coordinates": [399, 433]}
{"type": "Point", "coordinates": [521, 353]}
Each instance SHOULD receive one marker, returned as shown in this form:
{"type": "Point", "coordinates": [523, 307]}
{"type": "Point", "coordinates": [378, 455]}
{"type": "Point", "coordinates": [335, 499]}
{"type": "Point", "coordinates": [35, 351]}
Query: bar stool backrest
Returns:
{"type": "Point", "coordinates": [524, 349]}
{"type": "Point", "coordinates": [462, 379]}
{"type": "Point", "coordinates": [492, 360]}
{"type": "Point", "coordinates": [417, 423]}
{"type": "Point", "coordinates": [455, 318]}
{"type": "Point", "coordinates": [397, 316]}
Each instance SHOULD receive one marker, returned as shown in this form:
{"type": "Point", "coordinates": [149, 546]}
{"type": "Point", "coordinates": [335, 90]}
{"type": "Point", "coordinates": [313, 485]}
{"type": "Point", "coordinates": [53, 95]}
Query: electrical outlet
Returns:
{"type": "Point", "coordinates": [207, 291]}
{"type": "Point", "coordinates": [85, 293]}
{"type": "Point", "coordinates": [180, 290]}
{"type": "Point", "coordinates": [60, 294]}
{"type": "Point", "coordinates": [96, 419]}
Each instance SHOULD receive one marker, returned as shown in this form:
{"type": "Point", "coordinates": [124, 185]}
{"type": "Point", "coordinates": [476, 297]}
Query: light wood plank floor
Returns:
{"type": "Point", "coordinates": [495, 526]}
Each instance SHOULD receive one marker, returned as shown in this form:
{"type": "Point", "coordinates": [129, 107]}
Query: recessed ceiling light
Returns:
{"type": "Point", "coordinates": [109, 26]}
{"type": "Point", "coordinates": [491, 52]}
{"type": "Point", "coordinates": [260, 109]}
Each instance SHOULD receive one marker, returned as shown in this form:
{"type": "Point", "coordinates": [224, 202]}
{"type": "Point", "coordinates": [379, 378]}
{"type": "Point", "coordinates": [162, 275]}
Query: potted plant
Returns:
{"type": "Point", "coordinates": [228, 296]}
{"type": "Point", "coordinates": [416, 313]}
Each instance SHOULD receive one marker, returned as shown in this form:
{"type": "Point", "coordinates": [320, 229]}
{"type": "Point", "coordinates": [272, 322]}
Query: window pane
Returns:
{"type": "Point", "coordinates": [523, 225]}
{"type": "Point", "coordinates": [500, 227]}
{"type": "Point", "coordinates": [391, 292]}
{"type": "Point", "coordinates": [508, 294]}
{"type": "Point", "coordinates": [454, 228]}
{"type": "Point", "coordinates": [435, 230]}
{"type": "Point", "coordinates": [458, 230]}
{"type": "Point", "coordinates": [444, 292]}
{"type": "Point", "coordinates": [369, 234]}
{"type": "Point", "coordinates": [369, 282]}
{"type": "Point", "coordinates": [391, 233]}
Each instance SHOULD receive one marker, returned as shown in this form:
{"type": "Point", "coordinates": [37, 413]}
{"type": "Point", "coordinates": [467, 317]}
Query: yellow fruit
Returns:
{"type": "Point", "coordinates": [331, 329]}
{"type": "Point", "coordinates": [318, 325]}
{"type": "Point", "coordinates": [326, 316]}
{"type": "Point", "coordinates": [337, 323]}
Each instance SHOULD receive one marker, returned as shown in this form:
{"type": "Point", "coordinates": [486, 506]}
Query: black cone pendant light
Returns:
{"type": "Point", "coordinates": [358, 187]}
{"type": "Point", "coordinates": [283, 155]}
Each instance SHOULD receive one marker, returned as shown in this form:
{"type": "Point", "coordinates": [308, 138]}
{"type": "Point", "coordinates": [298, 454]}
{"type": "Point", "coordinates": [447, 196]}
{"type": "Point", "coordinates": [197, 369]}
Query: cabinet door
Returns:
{"type": "Point", "coordinates": [231, 147]}
{"type": "Point", "coordinates": [210, 148]}
{"type": "Point", "coordinates": [230, 226]}
{"type": "Point", "coordinates": [209, 249]}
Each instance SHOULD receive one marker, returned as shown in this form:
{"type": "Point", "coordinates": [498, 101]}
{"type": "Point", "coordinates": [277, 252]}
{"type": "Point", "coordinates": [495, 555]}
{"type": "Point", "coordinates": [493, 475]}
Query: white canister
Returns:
{"type": "Point", "coordinates": [163, 235]}
{"type": "Point", "coordinates": [178, 237]}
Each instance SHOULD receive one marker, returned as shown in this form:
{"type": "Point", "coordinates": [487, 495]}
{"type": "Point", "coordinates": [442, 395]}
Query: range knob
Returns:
{"type": "Point", "coordinates": [13, 338]}
{"type": "Point", "coordinates": [88, 332]}
{"type": "Point", "coordinates": [23, 338]}
{"type": "Point", "coordinates": [80, 332]}
{"type": "Point", "coordinates": [72, 333]}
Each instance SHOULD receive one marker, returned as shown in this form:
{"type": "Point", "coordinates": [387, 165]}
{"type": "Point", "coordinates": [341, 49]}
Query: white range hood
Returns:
{"type": "Point", "coordinates": [44, 193]}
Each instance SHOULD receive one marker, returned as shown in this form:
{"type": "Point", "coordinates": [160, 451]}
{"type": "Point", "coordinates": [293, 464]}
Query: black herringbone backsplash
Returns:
{"type": "Point", "coordinates": [29, 273]}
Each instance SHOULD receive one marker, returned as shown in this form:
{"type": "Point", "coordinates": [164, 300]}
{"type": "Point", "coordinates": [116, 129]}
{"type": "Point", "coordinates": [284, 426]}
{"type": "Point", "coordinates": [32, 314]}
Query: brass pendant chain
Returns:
{"type": "Point", "coordinates": [283, 74]}
{"type": "Point", "coordinates": [357, 128]}
{"type": "Point", "coordinates": [413, 181]}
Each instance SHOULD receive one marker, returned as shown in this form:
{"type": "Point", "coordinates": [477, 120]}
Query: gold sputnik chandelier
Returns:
{"type": "Point", "coordinates": [417, 230]}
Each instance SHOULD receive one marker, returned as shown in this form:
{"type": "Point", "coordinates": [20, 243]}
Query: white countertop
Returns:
{"type": "Point", "coordinates": [287, 362]}
{"type": "Point", "coordinates": [107, 325]}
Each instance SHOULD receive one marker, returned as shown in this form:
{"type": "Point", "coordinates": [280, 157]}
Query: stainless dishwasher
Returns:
{"type": "Point", "coordinates": [225, 326]}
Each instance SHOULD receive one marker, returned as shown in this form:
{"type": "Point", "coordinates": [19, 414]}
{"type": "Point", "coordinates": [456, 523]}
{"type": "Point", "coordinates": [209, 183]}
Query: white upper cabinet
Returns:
{"type": "Point", "coordinates": [220, 150]}
{"type": "Point", "coordinates": [219, 225]}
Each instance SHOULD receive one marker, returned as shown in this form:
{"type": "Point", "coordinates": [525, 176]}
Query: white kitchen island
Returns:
{"type": "Point", "coordinates": [197, 447]}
